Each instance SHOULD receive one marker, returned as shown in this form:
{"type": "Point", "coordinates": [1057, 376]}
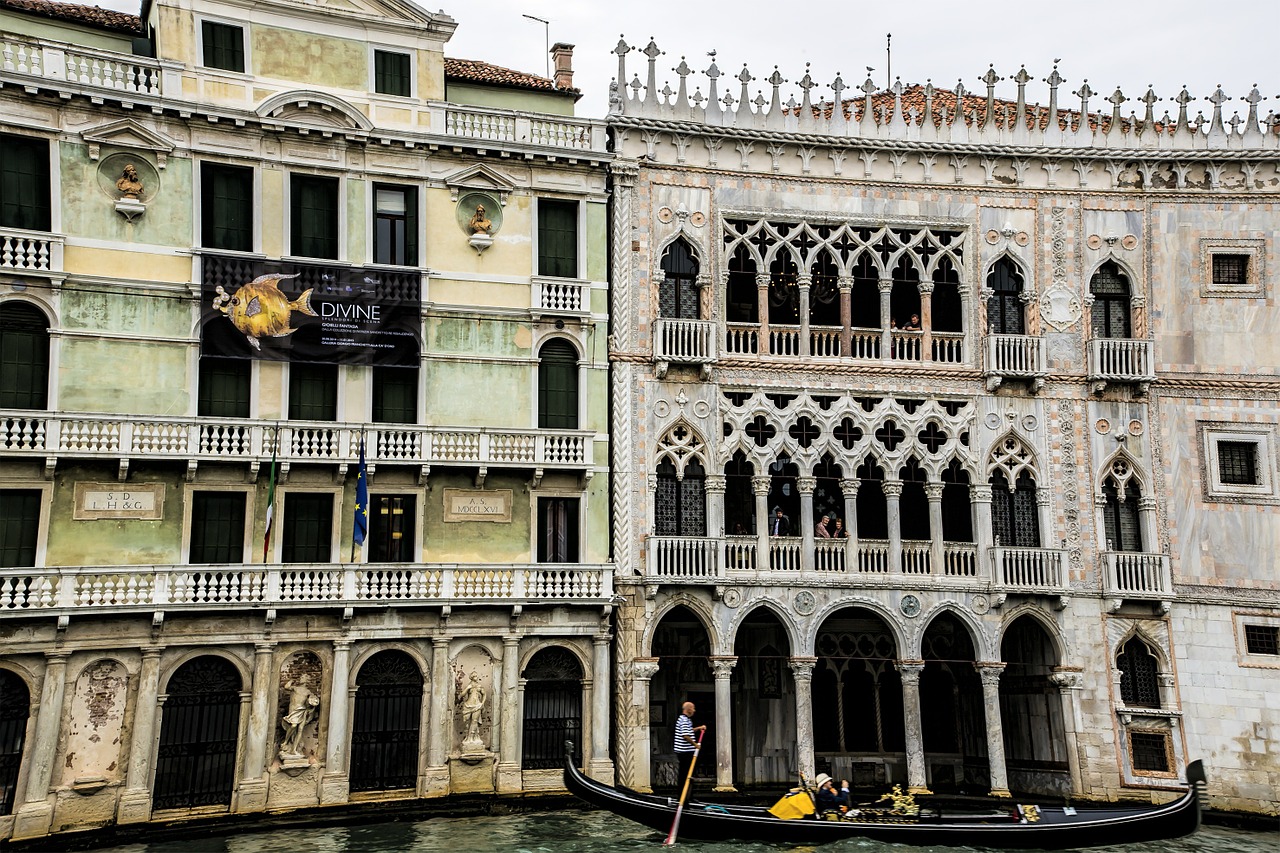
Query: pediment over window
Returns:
{"type": "Point", "coordinates": [480, 177]}
{"type": "Point", "coordinates": [313, 110]}
{"type": "Point", "coordinates": [401, 12]}
{"type": "Point", "coordinates": [130, 135]}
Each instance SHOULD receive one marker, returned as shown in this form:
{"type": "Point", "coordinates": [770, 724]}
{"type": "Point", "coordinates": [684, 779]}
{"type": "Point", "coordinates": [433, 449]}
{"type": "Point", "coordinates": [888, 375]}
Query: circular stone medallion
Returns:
{"type": "Point", "coordinates": [804, 602]}
{"type": "Point", "coordinates": [732, 597]}
{"type": "Point", "coordinates": [910, 606]}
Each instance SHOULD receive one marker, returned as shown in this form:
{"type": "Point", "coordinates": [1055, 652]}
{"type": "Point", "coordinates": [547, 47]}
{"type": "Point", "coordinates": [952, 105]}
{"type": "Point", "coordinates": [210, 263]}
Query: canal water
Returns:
{"type": "Point", "coordinates": [574, 831]}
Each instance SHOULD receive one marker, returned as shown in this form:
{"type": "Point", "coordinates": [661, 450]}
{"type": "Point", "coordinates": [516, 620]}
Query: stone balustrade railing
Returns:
{"type": "Point", "coordinates": [30, 251]}
{"type": "Point", "coordinates": [561, 296]}
{"type": "Point", "coordinates": [1121, 360]}
{"type": "Point", "coordinates": [1029, 569]}
{"type": "Point", "coordinates": [826, 342]}
{"type": "Point", "coordinates": [684, 341]}
{"type": "Point", "coordinates": [1136, 574]}
{"type": "Point", "coordinates": [49, 435]}
{"type": "Point", "coordinates": [1015, 356]}
{"type": "Point", "coordinates": [230, 586]}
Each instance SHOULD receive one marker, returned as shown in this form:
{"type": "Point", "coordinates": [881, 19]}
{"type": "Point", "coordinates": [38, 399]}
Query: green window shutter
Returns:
{"type": "Point", "coordinates": [313, 392]}
{"type": "Point", "coordinates": [19, 527]}
{"type": "Point", "coordinates": [24, 183]}
{"type": "Point", "coordinates": [557, 386]}
{"type": "Point", "coordinates": [24, 357]}
{"type": "Point", "coordinates": [308, 528]}
{"type": "Point", "coordinates": [395, 395]}
{"type": "Point", "coordinates": [314, 206]}
{"type": "Point", "coordinates": [224, 387]}
{"type": "Point", "coordinates": [226, 206]}
{"type": "Point", "coordinates": [223, 46]}
{"type": "Point", "coordinates": [557, 238]}
{"type": "Point", "coordinates": [217, 527]}
{"type": "Point", "coordinates": [391, 73]}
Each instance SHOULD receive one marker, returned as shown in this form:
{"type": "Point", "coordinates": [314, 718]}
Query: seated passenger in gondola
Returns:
{"type": "Point", "coordinates": [828, 798]}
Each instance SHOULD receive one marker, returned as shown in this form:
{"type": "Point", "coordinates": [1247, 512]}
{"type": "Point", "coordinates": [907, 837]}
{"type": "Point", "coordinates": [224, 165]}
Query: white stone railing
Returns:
{"type": "Point", "coordinates": [480, 124]}
{"type": "Point", "coordinates": [1136, 574]}
{"type": "Point", "coordinates": [684, 341]}
{"type": "Point", "coordinates": [1020, 569]}
{"type": "Point", "coordinates": [685, 557]}
{"type": "Point", "coordinates": [25, 433]}
{"type": "Point", "coordinates": [905, 346]}
{"type": "Point", "coordinates": [92, 68]}
{"type": "Point", "coordinates": [742, 339]}
{"type": "Point", "coordinates": [873, 556]}
{"type": "Point", "coordinates": [824, 341]}
{"type": "Point", "coordinates": [784, 341]}
{"type": "Point", "coordinates": [865, 343]}
{"type": "Point", "coordinates": [1016, 356]}
{"type": "Point", "coordinates": [561, 296]}
{"type": "Point", "coordinates": [561, 133]}
{"type": "Point", "coordinates": [784, 553]}
{"type": "Point", "coordinates": [30, 251]}
{"type": "Point", "coordinates": [948, 347]}
{"type": "Point", "coordinates": [960, 559]}
{"type": "Point", "coordinates": [830, 555]}
{"type": "Point", "coordinates": [915, 557]}
{"type": "Point", "coordinates": [143, 588]}
{"type": "Point", "coordinates": [740, 553]}
{"type": "Point", "coordinates": [1121, 360]}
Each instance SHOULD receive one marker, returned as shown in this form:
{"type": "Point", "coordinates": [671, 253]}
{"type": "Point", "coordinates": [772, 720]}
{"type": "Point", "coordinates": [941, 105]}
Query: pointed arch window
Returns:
{"type": "Point", "coordinates": [1121, 520]}
{"type": "Point", "coordinates": [1139, 684]}
{"type": "Point", "coordinates": [1110, 312]}
{"type": "Point", "coordinates": [1015, 520]}
{"type": "Point", "coordinates": [678, 294]}
{"type": "Point", "coordinates": [557, 385]}
{"type": "Point", "coordinates": [1004, 308]}
{"type": "Point", "coordinates": [680, 505]}
{"type": "Point", "coordinates": [24, 357]}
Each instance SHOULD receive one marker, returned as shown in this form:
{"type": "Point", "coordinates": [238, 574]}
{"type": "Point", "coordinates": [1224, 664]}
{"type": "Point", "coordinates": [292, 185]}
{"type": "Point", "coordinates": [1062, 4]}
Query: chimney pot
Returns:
{"type": "Point", "coordinates": [562, 54]}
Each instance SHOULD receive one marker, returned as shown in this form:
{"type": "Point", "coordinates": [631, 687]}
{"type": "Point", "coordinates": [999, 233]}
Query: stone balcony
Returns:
{"type": "Point", "coordinates": [832, 343]}
{"type": "Point", "coordinates": [1136, 575]}
{"type": "Point", "coordinates": [683, 342]}
{"type": "Point", "coordinates": [560, 297]}
{"type": "Point", "coordinates": [1121, 360]}
{"type": "Point", "coordinates": [148, 589]}
{"type": "Point", "coordinates": [1015, 357]}
{"type": "Point", "coordinates": [30, 252]}
{"type": "Point", "coordinates": [1029, 571]}
{"type": "Point", "coordinates": [57, 436]}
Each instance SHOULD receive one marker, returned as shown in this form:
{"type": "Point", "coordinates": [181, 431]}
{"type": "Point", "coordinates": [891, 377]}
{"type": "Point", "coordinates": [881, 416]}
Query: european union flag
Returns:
{"type": "Point", "coordinates": [361, 528]}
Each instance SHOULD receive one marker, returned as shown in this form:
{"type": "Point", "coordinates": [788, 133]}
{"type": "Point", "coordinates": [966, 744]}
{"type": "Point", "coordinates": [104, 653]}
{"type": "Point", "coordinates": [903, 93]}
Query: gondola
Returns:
{"type": "Point", "coordinates": [1039, 827]}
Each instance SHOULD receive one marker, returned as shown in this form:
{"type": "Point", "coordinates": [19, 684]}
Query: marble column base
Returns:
{"type": "Point", "coordinates": [725, 789]}
{"type": "Point", "coordinates": [919, 789]}
{"type": "Point", "coordinates": [135, 807]}
{"type": "Point", "coordinates": [510, 778]}
{"type": "Point", "coordinates": [334, 788]}
{"type": "Point", "coordinates": [32, 820]}
{"type": "Point", "coordinates": [251, 796]}
{"type": "Point", "coordinates": [601, 769]}
{"type": "Point", "coordinates": [1000, 792]}
{"type": "Point", "coordinates": [435, 781]}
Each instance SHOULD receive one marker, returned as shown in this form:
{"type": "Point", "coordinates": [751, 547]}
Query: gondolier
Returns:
{"type": "Point", "coordinates": [686, 741]}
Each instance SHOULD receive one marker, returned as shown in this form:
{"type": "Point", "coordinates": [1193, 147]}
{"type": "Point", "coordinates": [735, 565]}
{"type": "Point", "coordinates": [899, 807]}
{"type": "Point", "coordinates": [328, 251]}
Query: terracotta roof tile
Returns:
{"type": "Point", "coordinates": [91, 16]}
{"type": "Point", "coordinates": [474, 71]}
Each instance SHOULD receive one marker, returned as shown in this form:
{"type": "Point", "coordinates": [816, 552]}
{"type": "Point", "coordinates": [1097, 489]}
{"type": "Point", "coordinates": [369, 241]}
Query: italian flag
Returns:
{"type": "Point", "coordinates": [271, 499]}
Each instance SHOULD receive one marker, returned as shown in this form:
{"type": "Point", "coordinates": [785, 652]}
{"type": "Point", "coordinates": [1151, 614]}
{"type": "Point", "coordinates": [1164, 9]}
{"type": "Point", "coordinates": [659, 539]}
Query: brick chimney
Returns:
{"type": "Point", "coordinates": [563, 55]}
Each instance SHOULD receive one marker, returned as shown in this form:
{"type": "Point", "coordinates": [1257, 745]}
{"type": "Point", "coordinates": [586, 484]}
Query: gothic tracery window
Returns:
{"type": "Point", "coordinates": [680, 503]}
{"type": "Point", "coordinates": [1015, 516]}
{"type": "Point", "coordinates": [1139, 670]}
{"type": "Point", "coordinates": [1110, 312]}
{"type": "Point", "coordinates": [1121, 519]}
{"type": "Point", "coordinates": [1004, 307]}
{"type": "Point", "coordinates": [678, 293]}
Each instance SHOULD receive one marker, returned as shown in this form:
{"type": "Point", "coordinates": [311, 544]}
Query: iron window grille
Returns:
{"type": "Point", "coordinates": [1238, 463]}
{"type": "Point", "coordinates": [1262, 639]}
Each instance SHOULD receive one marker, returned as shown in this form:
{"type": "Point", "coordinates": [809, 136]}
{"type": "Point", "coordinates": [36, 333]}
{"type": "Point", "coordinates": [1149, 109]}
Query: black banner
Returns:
{"type": "Point", "coordinates": [307, 312]}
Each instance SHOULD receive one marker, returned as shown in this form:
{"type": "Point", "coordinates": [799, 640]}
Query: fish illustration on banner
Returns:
{"type": "Point", "coordinates": [260, 309]}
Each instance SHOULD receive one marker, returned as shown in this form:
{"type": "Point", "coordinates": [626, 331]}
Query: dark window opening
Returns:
{"type": "Point", "coordinates": [24, 357]}
{"type": "Point", "coordinates": [680, 507]}
{"type": "Point", "coordinates": [1238, 463]}
{"type": "Point", "coordinates": [1123, 527]}
{"type": "Point", "coordinates": [226, 207]}
{"type": "Point", "coordinates": [24, 183]}
{"type": "Point", "coordinates": [314, 217]}
{"type": "Point", "coordinates": [678, 296]}
{"type": "Point", "coordinates": [1110, 311]}
{"type": "Point", "coordinates": [1149, 751]}
{"type": "Point", "coordinates": [223, 387]}
{"type": "Point", "coordinates": [1230, 269]}
{"type": "Point", "coordinates": [19, 527]}
{"type": "Point", "coordinates": [741, 299]}
{"type": "Point", "coordinates": [739, 499]}
{"type": "Point", "coordinates": [557, 386]}
{"type": "Point", "coordinates": [217, 527]}
{"type": "Point", "coordinates": [313, 392]}
{"type": "Point", "coordinates": [1004, 309]}
{"type": "Point", "coordinates": [391, 528]}
{"type": "Point", "coordinates": [395, 225]}
{"type": "Point", "coordinates": [308, 528]}
{"type": "Point", "coordinates": [557, 530]}
{"type": "Point", "coordinates": [223, 46]}
{"type": "Point", "coordinates": [1139, 686]}
{"type": "Point", "coordinates": [557, 238]}
{"type": "Point", "coordinates": [1262, 639]}
{"type": "Point", "coordinates": [391, 73]}
{"type": "Point", "coordinates": [15, 709]}
{"type": "Point", "coordinates": [1015, 514]}
{"type": "Point", "coordinates": [395, 395]}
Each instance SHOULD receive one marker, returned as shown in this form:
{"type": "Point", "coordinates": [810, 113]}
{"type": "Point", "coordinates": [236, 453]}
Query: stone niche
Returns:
{"type": "Point", "coordinates": [294, 774]}
{"type": "Point", "coordinates": [472, 767]}
{"type": "Point", "coordinates": [91, 766]}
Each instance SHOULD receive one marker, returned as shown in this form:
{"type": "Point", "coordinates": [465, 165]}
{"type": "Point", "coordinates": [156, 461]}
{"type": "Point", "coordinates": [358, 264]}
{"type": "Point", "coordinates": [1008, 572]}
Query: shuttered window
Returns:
{"type": "Point", "coordinates": [1120, 516]}
{"type": "Point", "coordinates": [24, 357]}
{"type": "Point", "coordinates": [313, 392]}
{"type": "Point", "coordinates": [223, 46]}
{"type": "Point", "coordinates": [24, 183]}
{"type": "Point", "coordinates": [308, 528]}
{"type": "Point", "coordinates": [557, 530]}
{"type": "Point", "coordinates": [395, 395]}
{"type": "Point", "coordinates": [391, 73]}
{"type": "Point", "coordinates": [557, 238]}
{"type": "Point", "coordinates": [19, 527]}
{"type": "Point", "coordinates": [217, 527]}
{"type": "Point", "coordinates": [226, 207]}
{"type": "Point", "coordinates": [557, 386]}
{"type": "Point", "coordinates": [224, 387]}
{"type": "Point", "coordinates": [314, 217]}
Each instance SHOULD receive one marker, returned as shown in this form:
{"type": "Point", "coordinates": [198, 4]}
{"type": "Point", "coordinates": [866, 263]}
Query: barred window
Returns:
{"type": "Point", "coordinates": [1262, 639]}
{"type": "Point", "coordinates": [1238, 463]}
{"type": "Point", "coordinates": [1149, 751]}
{"type": "Point", "coordinates": [1138, 668]}
{"type": "Point", "coordinates": [1230, 269]}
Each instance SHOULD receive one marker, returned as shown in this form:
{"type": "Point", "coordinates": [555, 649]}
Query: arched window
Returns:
{"type": "Point", "coordinates": [552, 709]}
{"type": "Point", "coordinates": [199, 730]}
{"type": "Point", "coordinates": [741, 300]}
{"type": "Point", "coordinates": [24, 357]}
{"type": "Point", "coordinates": [15, 708]}
{"type": "Point", "coordinates": [957, 516]}
{"type": "Point", "coordinates": [824, 292]}
{"type": "Point", "coordinates": [680, 505]}
{"type": "Point", "coordinates": [1015, 520]}
{"type": "Point", "coordinates": [739, 499]}
{"type": "Point", "coordinates": [948, 310]}
{"type": "Point", "coordinates": [904, 300]}
{"type": "Point", "coordinates": [1120, 514]}
{"type": "Point", "coordinates": [866, 293]}
{"type": "Point", "coordinates": [1004, 308]}
{"type": "Point", "coordinates": [784, 294]}
{"type": "Point", "coordinates": [678, 293]}
{"type": "Point", "coordinates": [386, 723]}
{"type": "Point", "coordinates": [1139, 687]}
{"type": "Point", "coordinates": [557, 385]}
{"type": "Point", "coordinates": [1110, 289]}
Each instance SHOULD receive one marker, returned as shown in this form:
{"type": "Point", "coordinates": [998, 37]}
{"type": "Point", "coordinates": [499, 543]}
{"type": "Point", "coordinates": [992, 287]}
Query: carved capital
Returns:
{"type": "Point", "coordinates": [804, 281]}
{"type": "Point", "coordinates": [845, 283]}
{"type": "Point", "coordinates": [802, 667]}
{"type": "Point", "coordinates": [933, 492]}
{"type": "Point", "coordinates": [644, 668]}
{"type": "Point", "coordinates": [760, 485]}
{"type": "Point", "coordinates": [806, 485]}
{"type": "Point", "coordinates": [885, 285]}
{"type": "Point", "coordinates": [1066, 679]}
{"type": "Point", "coordinates": [715, 483]}
{"type": "Point", "coordinates": [763, 279]}
{"type": "Point", "coordinates": [981, 492]}
{"type": "Point", "coordinates": [625, 172]}
{"type": "Point", "coordinates": [722, 667]}
{"type": "Point", "coordinates": [925, 288]}
{"type": "Point", "coordinates": [892, 488]}
{"type": "Point", "coordinates": [990, 672]}
{"type": "Point", "coordinates": [849, 487]}
{"type": "Point", "coordinates": [651, 482]}
{"type": "Point", "coordinates": [910, 671]}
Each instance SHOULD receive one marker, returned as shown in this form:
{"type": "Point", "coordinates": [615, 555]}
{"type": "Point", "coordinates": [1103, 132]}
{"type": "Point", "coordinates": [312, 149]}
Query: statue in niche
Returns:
{"type": "Point", "coordinates": [471, 699]}
{"type": "Point", "coordinates": [303, 705]}
{"type": "Point", "coordinates": [129, 184]}
{"type": "Point", "coordinates": [480, 223]}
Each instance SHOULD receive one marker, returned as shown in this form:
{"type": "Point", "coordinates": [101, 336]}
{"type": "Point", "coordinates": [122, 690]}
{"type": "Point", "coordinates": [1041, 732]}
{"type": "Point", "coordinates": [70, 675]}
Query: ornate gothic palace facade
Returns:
{"type": "Point", "coordinates": [945, 436]}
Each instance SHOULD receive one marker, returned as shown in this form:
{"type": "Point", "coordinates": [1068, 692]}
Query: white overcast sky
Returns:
{"type": "Point", "coordinates": [1125, 43]}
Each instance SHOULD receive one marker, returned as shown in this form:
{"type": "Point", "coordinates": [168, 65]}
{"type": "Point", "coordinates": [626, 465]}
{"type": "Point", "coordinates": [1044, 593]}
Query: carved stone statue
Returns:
{"type": "Point", "coordinates": [479, 223]}
{"type": "Point", "coordinates": [471, 699]}
{"type": "Point", "coordinates": [129, 184]}
{"type": "Point", "coordinates": [303, 705]}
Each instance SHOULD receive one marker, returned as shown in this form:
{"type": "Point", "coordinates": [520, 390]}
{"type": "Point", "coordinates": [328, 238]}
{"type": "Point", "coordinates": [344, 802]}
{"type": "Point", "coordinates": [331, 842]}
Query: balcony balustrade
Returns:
{"type": "Point", "coordinates": [828, 343]}
{"type": "Point", "coordinates": [231, 586]}
{"type": "Point", "coordinates": [1121, 360]}
{"type": "Point", "coordinates": [1135, 575]}
{"type": "Point", "coordinates": [30, 251]}
{"type": "Point", "coordinates": [683, 342]}
{"type": "Point", "coordinates": [559, 296]}
{"type": "Point", "coordinates": [1029, 570]}
{"type": "Point", "coordinates": [1015, 357]}
{"type": "Point", "coordinates": [684, 557]}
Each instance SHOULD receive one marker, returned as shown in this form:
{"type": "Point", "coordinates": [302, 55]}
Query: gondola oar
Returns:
{"type": "Point", "coordinates": [675, 824]}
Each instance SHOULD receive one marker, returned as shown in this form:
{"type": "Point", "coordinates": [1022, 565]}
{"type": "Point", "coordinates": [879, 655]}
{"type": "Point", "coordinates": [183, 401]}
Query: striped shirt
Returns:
{"type": "Point", "coordinates": [684, 733]}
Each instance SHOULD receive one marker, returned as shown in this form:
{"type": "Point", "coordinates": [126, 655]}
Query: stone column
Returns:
{"type": "Point", "coordinates": [804, 282]}
{"type": "Point", "coordinates": [762, 309]}
{"type": "Point", "coordinates": [33, 818]}
{"type": "Point", "coordinates": [802, 670]}
{"type": "Point", "coordinates": [334, 786]}
{"type": "Point", "coordinates": [600, 767]}
{"type": "Point", "coordinates": [989, 672]}
{"type": "Point", "coordinates": [510, 778]}
{"type": "Point", "coordinates": [849, 490]}
{"type": "Point", "coordinates": [642, 672]}
{"type": "Point", "coordinates": [806, 485]}
{"type": "Point", "coordinates": [910, 671]}
{"type": "Point", "coordinates": [886, 318]}
{"type": "Point", "coordinates": [723, 669]}
{"type": "Point", "coordinates": [252, 794]}
{"type": "Point", "coordinates": [980, 495]}
{"type": "Point", "coordinates": [926, 320]}
{"type": "Point", "coordinates": [715, 488]}
{"type": "Point", "coordinates": [846, 315]}
{"type": "Point", "coordinates": [893, 512]}
{"type": "Point", "coordinates": [760, 486]}
{"type": "Point", "coordinates": [436, 779]}
{"type": "Point", "coordinates": [135, 802]}
{"type": "Point", "coordinates": [1147, 521]}
{"type": "Point", "coordinates": [1068, 680]}
{"type": "Point", "coordinates": [937, 555]}
{"type": "Point", "coordinates": [651, 489]}
{"type": "Point", "coordinates": [1045, 513]}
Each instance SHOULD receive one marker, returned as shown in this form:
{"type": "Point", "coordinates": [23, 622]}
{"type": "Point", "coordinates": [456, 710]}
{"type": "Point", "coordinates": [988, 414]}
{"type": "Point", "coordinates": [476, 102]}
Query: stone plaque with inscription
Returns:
{"type": "Point", "coordinates": [477, 505]}
{"type": "Point", "coordinates": [112, 500]}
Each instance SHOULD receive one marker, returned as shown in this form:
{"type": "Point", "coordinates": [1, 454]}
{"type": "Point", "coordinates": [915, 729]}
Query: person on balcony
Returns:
{"type": "Point", "coordinates": [913, 325]}
{"type": "Point", "coordinates": [820, 530]}
{"type": "Point", "coordinates": [839, 532]}
{"type": "Point", "coordinates": [780, 525]}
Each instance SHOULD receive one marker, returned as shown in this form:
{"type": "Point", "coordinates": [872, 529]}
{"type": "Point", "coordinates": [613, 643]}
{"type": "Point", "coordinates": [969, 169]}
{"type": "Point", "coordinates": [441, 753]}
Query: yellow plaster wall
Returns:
{"type": "Point", "coordinates": [272, 206]}
{"type": "Point", "coordinates": [431, 75]}
{"type": "Point", "coordinates": [175, 35]}
{"type": "Point", "coordinates": [448, 250]}
{"type": "Point", "coordinates": [127, 265]}
{"type": "Point", "coordinates": [322, 61]}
